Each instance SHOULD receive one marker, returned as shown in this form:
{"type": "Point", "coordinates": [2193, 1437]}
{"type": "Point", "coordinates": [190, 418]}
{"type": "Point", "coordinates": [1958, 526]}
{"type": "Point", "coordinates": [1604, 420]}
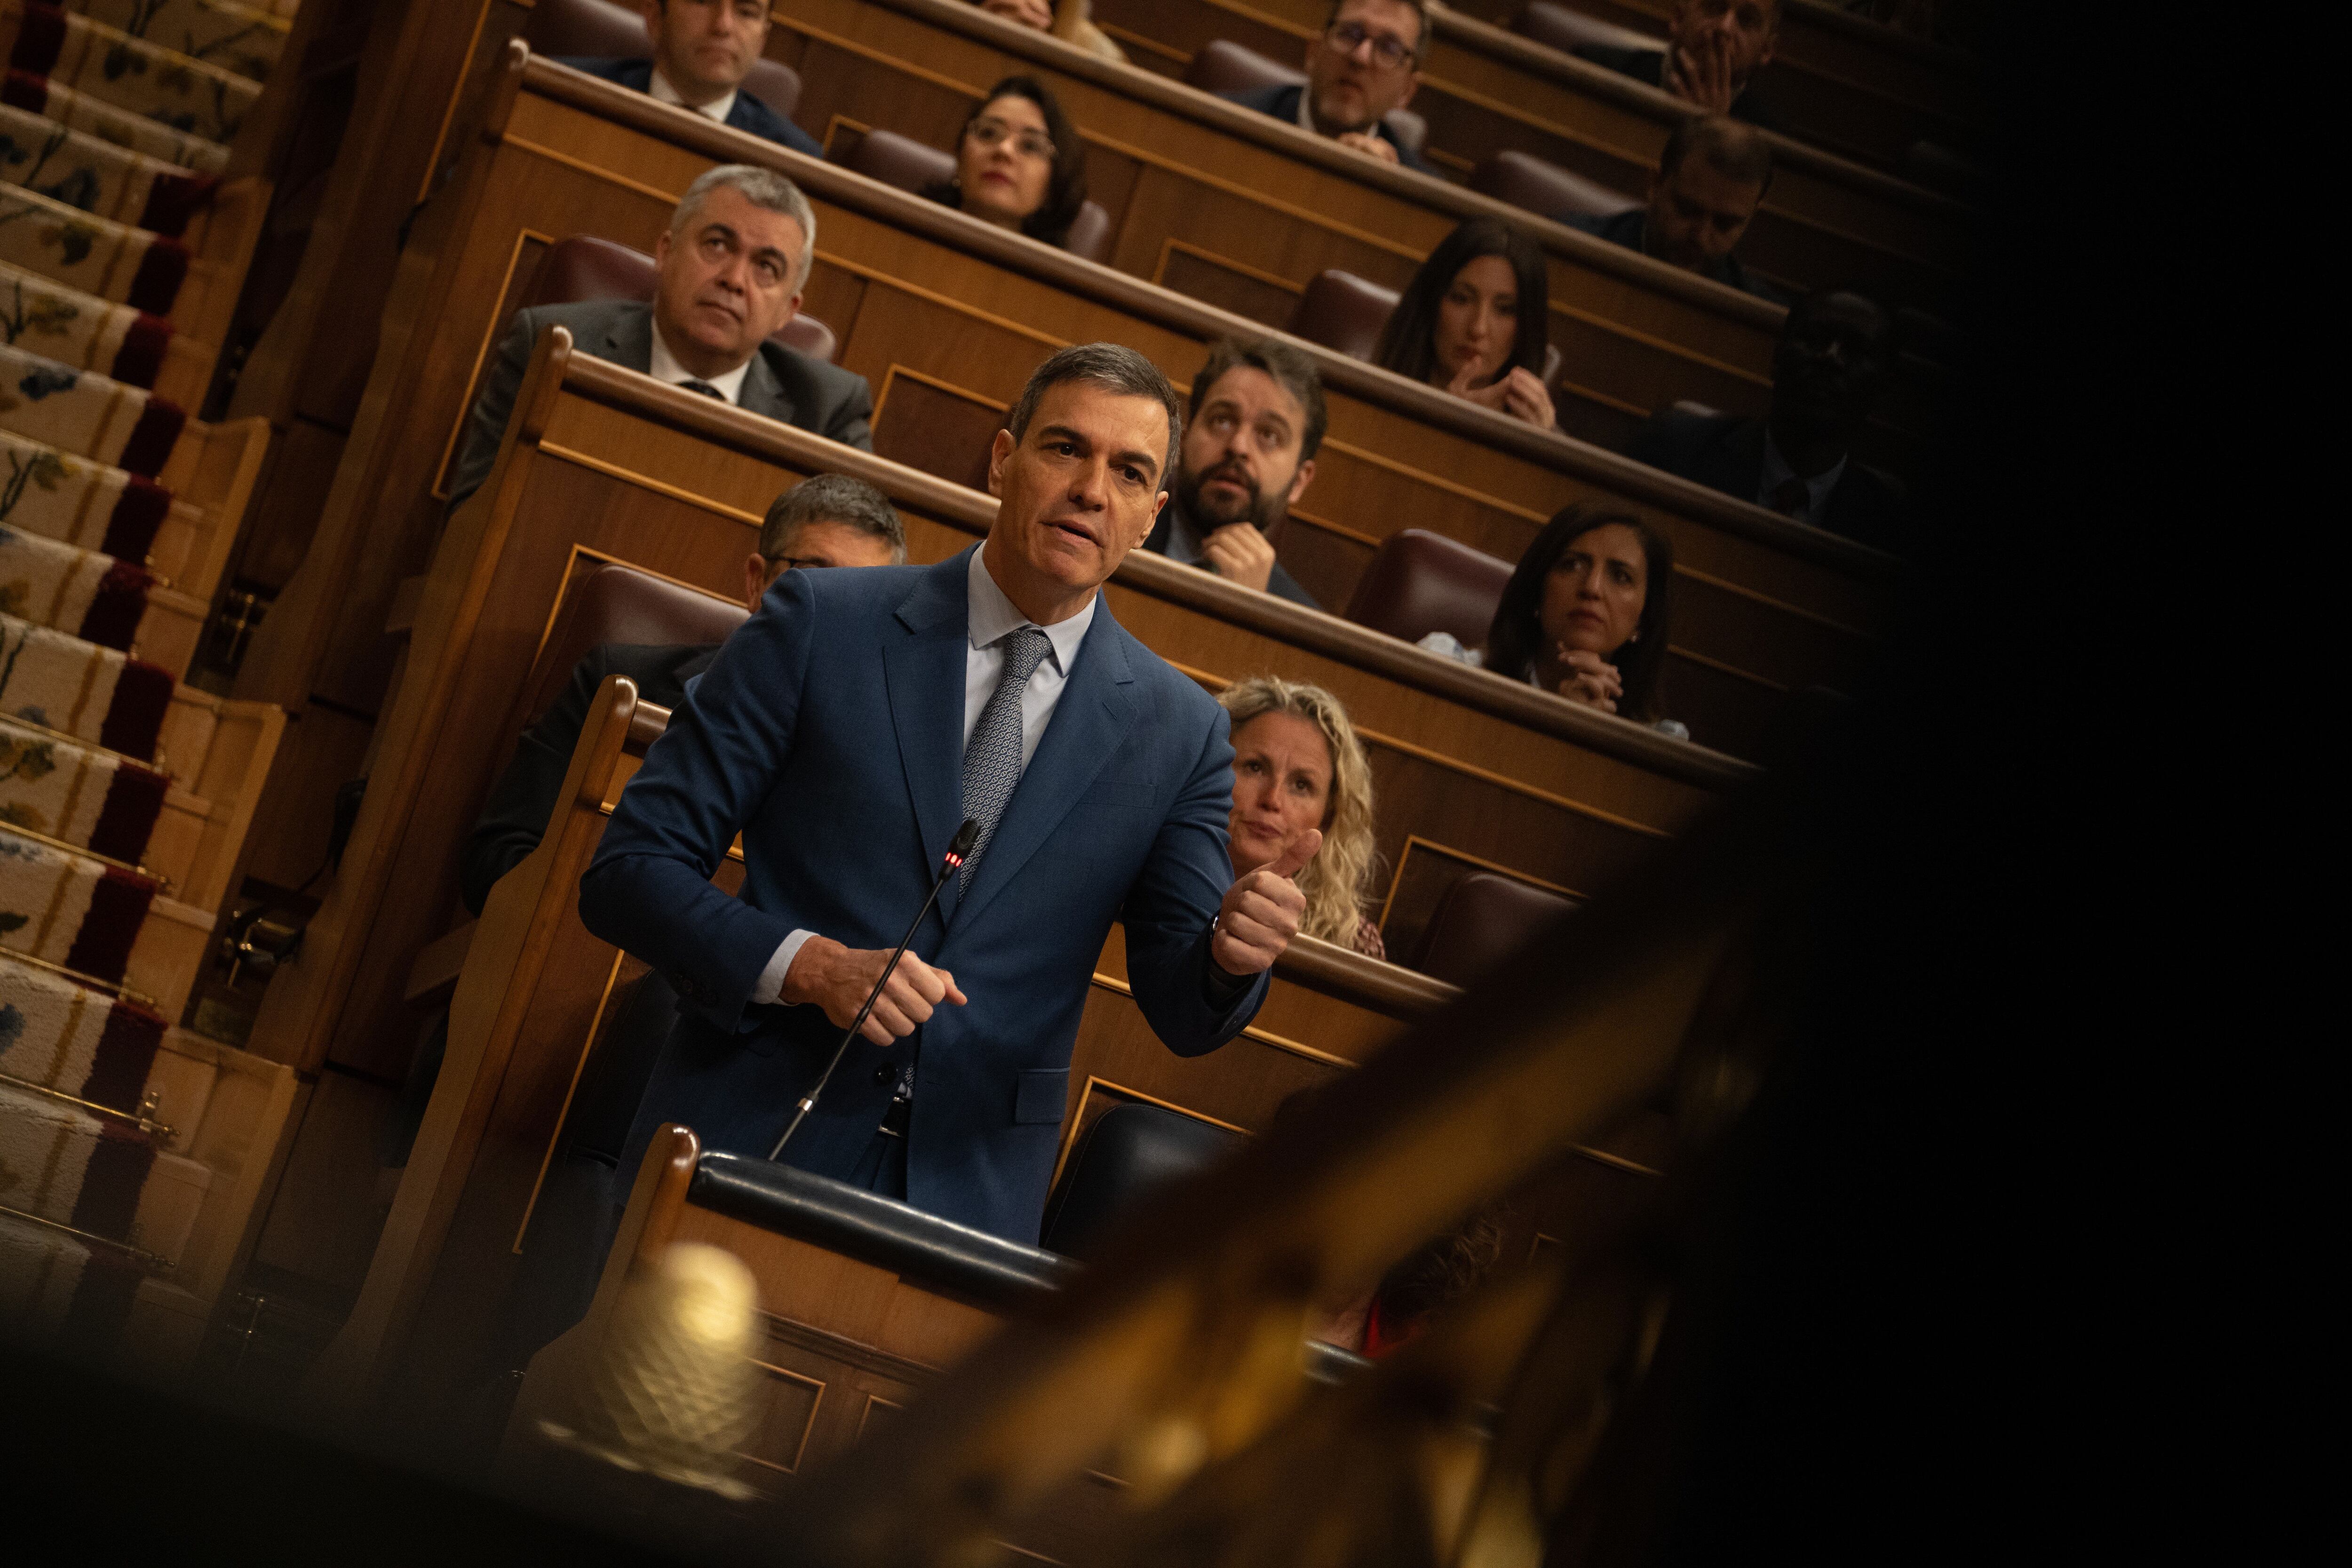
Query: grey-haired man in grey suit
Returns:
{"type": "Point", "coordinates": [732, 266]}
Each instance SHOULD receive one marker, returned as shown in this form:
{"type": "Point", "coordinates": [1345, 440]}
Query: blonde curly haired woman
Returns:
{"type": "Point", "coordinates": [1298, 765]}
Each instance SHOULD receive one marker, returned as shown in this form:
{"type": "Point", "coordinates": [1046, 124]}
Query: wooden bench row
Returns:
{"type": "Point", "coordinates": [945, 317]}
{"type": "Point", "coordinates": [600, 461]}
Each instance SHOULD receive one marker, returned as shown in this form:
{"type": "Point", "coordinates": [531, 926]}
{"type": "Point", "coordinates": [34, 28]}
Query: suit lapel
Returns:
{"type": "Point", "coordinates": [762, 393]}
{"type": "Point", "coordinates": [629, 340]}
{"type": "Point", "coordinates": [1089, 724]}
{"type": "Point", "coordinates": [923, 670]}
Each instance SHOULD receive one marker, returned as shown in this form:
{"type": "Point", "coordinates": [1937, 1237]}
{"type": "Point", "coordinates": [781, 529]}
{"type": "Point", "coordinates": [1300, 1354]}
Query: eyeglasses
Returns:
{"type": "Point", "coordinates": [1388, 51]}
{"type": "Point", "coordinates": [1028, 144]}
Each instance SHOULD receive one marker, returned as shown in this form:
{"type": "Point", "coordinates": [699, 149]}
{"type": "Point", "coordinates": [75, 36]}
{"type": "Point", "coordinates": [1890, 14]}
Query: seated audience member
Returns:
{"type": "Point", "coordinates": [731, 264]}
{"type": "Point", "coordinates": [1798, 459]}
{"type": "Point", "coordinates": [1019, 164]}
{"type": "Point", "coordinates": [830, 520]}
{"type": "Point", "coordinates": [1585, 615]}
{"type": "Point", "coordinates": [1474, 321]}
{"type": "Point", "coordinates": [1072, 21]}
{"type": "Point", "coordinates": [1248, 453]}
{"type": "Point", "coordinates": [1437, 1274]}
{"type": "Point", "coordinates": [702, 50]}
{"type": "Point", "coordinates": [1711, 178]}
{"type": "Point", "coordinates": [1365, 62]}
{"type": "Point", "coordinates": [1298, 768]}
{"type": "Point", "coordinates": [1713, 49]}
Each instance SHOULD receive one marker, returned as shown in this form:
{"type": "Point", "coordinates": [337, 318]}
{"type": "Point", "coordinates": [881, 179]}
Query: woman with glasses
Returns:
{"type": "Point", "coordinates": [1474, 321]}
{"type": "Point", "coordinates": [1019, 164]}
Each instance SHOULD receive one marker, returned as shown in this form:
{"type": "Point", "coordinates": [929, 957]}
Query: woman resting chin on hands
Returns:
{"type": "Point", "coordinates": [1473, 321]}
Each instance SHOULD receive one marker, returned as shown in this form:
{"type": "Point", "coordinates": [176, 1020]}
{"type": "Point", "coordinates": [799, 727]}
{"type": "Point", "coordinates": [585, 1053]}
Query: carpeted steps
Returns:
{"type": "Point", "coordinates": [131, 1152]}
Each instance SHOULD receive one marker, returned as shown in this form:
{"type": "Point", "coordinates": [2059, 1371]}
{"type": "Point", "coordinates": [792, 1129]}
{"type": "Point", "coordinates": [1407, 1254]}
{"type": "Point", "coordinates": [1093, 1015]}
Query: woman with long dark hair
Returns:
{"type": "Point", "coordinates": [1019, 164]}
{"type": "Point", "coordinates": [1474, 321]}
{"type": "Point", "coordinates": [1585, 615]}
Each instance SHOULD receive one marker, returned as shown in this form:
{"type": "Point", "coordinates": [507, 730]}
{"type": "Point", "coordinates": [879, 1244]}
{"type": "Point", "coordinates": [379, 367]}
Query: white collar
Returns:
{"type": "Point", "coordinates": [665, 369]}
{"type": "Point", "coordinates": [1306, 107]}
{"type": "Point", "coordinates": [1817, 489]}
{"type": "Point", "coordinates": [993, 615]}
{"type": "Point", "coordinates": [660, 91]}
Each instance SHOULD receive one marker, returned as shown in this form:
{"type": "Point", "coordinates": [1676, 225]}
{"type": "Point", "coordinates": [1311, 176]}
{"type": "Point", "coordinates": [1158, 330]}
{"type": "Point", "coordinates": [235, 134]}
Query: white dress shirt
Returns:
{"type": "Point", "coordinates": [665, 368]}
{"type": "Point", "coordinates": [660, 91]}
{"type": "Point", "coordinates": [1777, 473]}
{"type": "Point", "coordinates": [992, 618]}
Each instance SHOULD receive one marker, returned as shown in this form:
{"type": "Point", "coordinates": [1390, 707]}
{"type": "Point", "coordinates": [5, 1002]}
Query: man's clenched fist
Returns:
{"type": "Point", "coordinates": [1261, 911]}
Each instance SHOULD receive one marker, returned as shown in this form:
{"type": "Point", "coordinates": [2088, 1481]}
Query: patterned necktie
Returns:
{"type": "Point", "coordinates": [991, 758]}
{"type": "Point", "coordinates": [703, 388]}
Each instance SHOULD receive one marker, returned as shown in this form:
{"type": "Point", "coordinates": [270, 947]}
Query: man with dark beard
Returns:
{"type": "Point", "coordinates": [1249, 451]}
{"type": "Point", "coordinates": [1797, 460]}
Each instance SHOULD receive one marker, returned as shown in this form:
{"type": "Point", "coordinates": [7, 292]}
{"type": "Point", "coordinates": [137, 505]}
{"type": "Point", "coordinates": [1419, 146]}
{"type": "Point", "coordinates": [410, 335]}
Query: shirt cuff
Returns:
{"type": "Point", "coordinates": [771, 986]}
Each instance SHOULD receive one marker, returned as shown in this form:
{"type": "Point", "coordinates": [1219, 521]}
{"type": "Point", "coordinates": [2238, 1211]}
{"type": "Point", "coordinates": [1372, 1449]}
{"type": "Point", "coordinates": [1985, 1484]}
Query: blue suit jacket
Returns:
{"type": "Point", "coordinates": [748, 113]}
{"type": "Point", "coordinates": [830, 733]}
{"type": "Point", "coordinates": [1282, 102]}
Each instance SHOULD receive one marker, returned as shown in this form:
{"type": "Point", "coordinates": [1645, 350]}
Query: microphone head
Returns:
{"type": "Point", "coordinates": [966, 836]}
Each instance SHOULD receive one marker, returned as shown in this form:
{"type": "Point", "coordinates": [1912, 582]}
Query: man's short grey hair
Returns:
{"type": "Point", "coordinates": [1115, 369]}
{"type": "Point", "coordinates": [832, 498]}
{"type": "Point", "coordinates": [764, 189]}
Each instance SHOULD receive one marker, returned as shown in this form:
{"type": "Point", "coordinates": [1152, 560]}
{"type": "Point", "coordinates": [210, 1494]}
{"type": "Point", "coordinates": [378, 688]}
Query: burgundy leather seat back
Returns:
{"type": "Point", "coordinates": [1419, 583]}
{"type": "Point", "coordinates": [606, 31]}
{"type": "Point", "coordinates": [584, 267]}
{"type": "Point", "coordinates": [1562, 28]}
{"type": "Point", "coordinates": [1224, 65]}
{"type": "Point", "coordinates": [1345, 315]}
{"type": "Point", "coordinates": [1545, 189]}
{"type": "Point", "coordinates": [1343, 312]}
{"type": "Point", "coordinates": [911, 165]}
{"type": "Point", "coordinates": [609, 601]}
{"type": "Point", "coordinates": [1482, 919]}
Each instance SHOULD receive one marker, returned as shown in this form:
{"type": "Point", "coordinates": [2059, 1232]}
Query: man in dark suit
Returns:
{"type": "Point", "coordinates": [845, 731]}
{"type": "Point", "coordinates": [731, 265]}
{"type": "Point", "coordinates": [702, 51]}
{"type": "Point", "coordinates": [1713, 49]}
{"type": "Point", "coordinates": [828, 520]}
{"type": "Point", "coordinates": [1798, 459]}
{"type": "Point", "coordinates": [1365, 62]}
{"type": "Point", "coordinates": [1249, 449]}
{"type": "Point", "coordinates": [1711, 178]}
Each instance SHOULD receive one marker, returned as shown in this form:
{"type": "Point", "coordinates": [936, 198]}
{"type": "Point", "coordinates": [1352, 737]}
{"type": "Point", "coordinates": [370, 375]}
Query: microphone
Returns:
{"type": "Point", "coordinates": [950, 863]}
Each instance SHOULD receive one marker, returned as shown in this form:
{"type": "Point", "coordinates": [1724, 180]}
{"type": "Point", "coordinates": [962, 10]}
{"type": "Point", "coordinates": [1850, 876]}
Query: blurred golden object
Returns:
{"type": "Point", "coordinates": [675, 1393]}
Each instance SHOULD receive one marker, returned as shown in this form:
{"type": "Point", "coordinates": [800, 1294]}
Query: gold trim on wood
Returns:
{"type": "Point", "coordinates": [647, 482]}
{"type": "Point", "coordinates": [1263, 1036]}
{"type": "Point", "coordinates": [1396, 878]}
{"type": "Point", "coordinates": [800, 1451]}
{"type": "Point", "coordinates": [481, 351]}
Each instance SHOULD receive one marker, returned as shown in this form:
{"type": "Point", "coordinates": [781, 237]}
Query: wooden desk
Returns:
{"type": "Point", "coordinates": [601, 459]}
{"type": "Point", "coordinates": [917, 65]}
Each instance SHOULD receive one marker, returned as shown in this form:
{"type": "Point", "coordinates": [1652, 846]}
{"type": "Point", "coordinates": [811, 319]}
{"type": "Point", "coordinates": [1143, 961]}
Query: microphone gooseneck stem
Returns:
{"type": "Point", "coordinates": [949, 864]}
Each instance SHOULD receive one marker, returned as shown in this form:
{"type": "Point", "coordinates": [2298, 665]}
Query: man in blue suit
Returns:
{"type": "Point", "coordinates": [702, 51]}
{"type": "Point", "coordinates": [847, 731]}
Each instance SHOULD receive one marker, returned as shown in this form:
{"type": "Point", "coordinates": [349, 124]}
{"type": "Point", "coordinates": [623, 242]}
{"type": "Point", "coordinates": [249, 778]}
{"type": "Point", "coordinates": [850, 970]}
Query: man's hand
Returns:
{"type": "Point", "coordinates": [1260, 914]}
{"type": "Point", "coordinates": [1592, 680]}
{"type": "Point", "coordinates": [1703, 76]}
{"type": "Point", "coordinates": [1239, 553]}
{"type": "Point", "coordinates": [1520, 394]}
{"type": "Point", "coordinates": [1037, 13]}
{"type": "Point", "coordinates": [837, 978]}
{"type": "Point", "coordinates": [1369, 142]}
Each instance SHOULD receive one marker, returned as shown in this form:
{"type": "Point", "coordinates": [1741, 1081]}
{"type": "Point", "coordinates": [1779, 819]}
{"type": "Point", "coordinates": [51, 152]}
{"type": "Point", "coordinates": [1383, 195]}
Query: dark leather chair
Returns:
{"type": "Point", "coordinates": [1482, 919]}
{"type": "Point", "coordinates": [605, 31]}
{"type": "Point", "coordinates": [1130, 1151]}
{"type": "Point", "coordinates": [912, 165]}
{"type": "Point", "coordinates": [608, 601]}
{"type": "Point", "coordinates": [1345, 315]}
{"type": "Point", "coordinates": [1224, 65]}
{"type": "Point", "coordinates": [1419, 583]}
{"type": "Point", "coordinates": [1343, 312]}
{"type": "Point", "coordinates": [1558, 27]}
{"type": "Point", "coordinates": [584, 267]}
{"type": "Point", "coordinates": [1545, 189]}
